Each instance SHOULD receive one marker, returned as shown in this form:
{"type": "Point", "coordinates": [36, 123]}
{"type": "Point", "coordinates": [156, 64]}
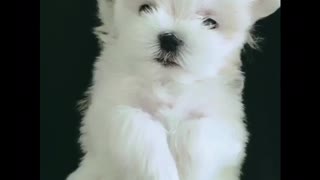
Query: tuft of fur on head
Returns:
{"type": "Point", "coordinates": [253, 40]}
{"type": "Point", "coordinates": [84, 103]}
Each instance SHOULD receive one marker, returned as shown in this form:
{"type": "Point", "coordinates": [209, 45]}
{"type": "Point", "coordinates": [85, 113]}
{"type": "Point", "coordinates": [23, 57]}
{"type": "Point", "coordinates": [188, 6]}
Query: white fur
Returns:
{"type": "Point", "coordinates": [149, 122]}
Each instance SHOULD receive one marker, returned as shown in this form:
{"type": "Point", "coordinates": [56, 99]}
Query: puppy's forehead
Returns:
{"type": "Point", "coordinates": [203, 7]}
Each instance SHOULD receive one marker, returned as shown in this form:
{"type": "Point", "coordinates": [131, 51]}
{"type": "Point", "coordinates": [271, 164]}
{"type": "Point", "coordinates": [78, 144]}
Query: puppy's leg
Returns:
{"type": "Point", "coordinates": [139, 146]}
{"type": "Point", "coordinates": [203, 149]}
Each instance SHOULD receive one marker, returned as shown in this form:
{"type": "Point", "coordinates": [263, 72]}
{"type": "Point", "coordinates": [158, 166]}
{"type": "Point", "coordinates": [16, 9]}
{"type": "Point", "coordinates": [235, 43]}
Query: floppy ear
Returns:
{"type": "Point", "coordinates": [105, 14]}
{"type": "Point", "coordinates": [263, 8]}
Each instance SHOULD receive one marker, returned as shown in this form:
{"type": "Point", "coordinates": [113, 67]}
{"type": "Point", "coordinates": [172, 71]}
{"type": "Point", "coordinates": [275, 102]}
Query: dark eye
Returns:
{"type": "Point", "coordinates": [212, 24]}
{"type": "Point", "coordinates": [145, 8]}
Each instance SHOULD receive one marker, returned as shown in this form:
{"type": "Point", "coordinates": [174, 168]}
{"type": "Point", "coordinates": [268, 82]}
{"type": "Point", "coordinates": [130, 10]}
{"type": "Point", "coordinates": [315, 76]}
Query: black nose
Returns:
{"type": "Point", "coordinates": [169, 42]}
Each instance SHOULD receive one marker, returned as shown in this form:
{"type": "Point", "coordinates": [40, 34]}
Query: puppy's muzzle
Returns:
{"type": "Point", "coordinates": [169, 42]}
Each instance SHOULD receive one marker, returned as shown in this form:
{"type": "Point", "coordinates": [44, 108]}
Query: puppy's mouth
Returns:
{"type": "Point", "coordinates": [167, 61]}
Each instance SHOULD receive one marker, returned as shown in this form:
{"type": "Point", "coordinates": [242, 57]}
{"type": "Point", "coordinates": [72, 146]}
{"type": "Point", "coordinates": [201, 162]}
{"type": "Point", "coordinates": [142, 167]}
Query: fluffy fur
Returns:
{"type": "Point", "coordinates": [146, 121]}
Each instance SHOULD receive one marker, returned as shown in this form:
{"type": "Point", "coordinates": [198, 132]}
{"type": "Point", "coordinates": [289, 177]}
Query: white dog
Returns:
{"type": "Point", "coordinates": [166, 100]}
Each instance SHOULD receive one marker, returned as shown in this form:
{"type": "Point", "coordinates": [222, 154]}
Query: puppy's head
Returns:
{"type": "Point", "coordinates": [194, 36]}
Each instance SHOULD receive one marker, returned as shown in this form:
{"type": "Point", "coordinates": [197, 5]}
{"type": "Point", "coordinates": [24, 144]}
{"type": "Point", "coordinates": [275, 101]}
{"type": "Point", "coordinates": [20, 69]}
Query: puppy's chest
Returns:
{"type": "Point", "coordinates": [171, 103]}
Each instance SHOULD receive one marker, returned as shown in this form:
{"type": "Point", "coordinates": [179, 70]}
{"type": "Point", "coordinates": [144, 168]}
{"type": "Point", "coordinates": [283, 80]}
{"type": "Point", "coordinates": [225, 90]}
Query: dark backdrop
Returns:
{"type": "Point", "coordinates": [68, 50]}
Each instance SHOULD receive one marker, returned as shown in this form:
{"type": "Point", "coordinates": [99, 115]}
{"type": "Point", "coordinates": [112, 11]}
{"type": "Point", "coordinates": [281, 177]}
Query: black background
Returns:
{"type": "Point", "coordinates": [67, 52]}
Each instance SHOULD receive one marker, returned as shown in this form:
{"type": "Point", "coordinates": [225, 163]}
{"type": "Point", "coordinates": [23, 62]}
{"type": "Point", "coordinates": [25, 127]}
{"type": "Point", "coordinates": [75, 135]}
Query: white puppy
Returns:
{"type": "Point", "coordinates": [166, 101]}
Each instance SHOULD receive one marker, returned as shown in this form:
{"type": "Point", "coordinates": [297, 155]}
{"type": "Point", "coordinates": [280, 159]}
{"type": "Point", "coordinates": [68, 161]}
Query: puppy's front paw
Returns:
{"type": "Point", "coordinates": [142, 142]}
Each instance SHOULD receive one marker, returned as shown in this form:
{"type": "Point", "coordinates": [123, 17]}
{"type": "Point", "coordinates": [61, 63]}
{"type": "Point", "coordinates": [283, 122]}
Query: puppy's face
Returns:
{"type": "Point", "coordinates": [195, 36]}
